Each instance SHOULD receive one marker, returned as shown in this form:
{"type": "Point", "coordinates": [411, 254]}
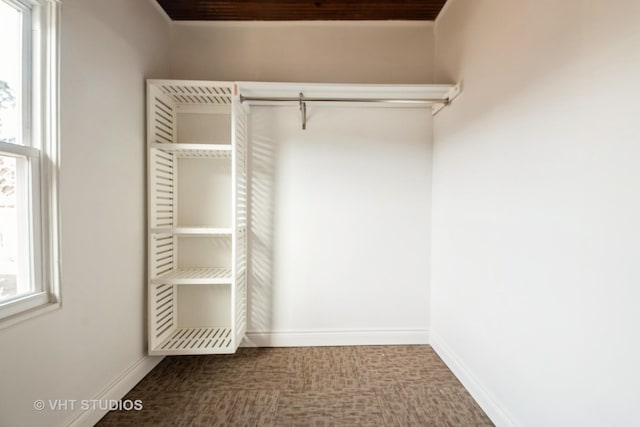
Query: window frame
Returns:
{"type": "Point", "coordinates": [40, 149]}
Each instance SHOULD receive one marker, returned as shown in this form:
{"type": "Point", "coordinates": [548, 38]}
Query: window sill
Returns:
{"type": "Point", "coordinates": [29, 314]}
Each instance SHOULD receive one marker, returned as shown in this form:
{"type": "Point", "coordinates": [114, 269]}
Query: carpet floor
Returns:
{"type": "Point", "coordinates": [303, 386]}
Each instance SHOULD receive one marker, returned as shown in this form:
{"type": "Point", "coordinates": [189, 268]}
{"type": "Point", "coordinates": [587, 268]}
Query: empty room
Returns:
{"type": "Point", "coordinates": [319, 212]}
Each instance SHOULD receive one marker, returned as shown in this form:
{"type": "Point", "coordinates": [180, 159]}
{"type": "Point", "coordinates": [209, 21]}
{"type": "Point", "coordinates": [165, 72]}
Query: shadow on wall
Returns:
{"type": "Point", "coordinates": [261, 202]}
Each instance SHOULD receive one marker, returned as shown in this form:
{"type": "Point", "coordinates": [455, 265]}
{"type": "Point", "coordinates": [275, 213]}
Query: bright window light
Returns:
{"type": "Point", "coordinates": [28, 158]}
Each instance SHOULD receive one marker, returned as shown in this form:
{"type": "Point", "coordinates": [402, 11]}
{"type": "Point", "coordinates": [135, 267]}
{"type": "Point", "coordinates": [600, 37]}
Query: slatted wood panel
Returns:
{"type": "Point", "coordinates": [197, 341]}
{"type": "Point", "coordinates": [203, 154]}
{"type": "Point", "coordinates": [163, 313]}
{"type": "Point", "coordinates": [240, 138]}
{"type": "Point", "coordinates": [240, 131]}
{"type": "Point", "coordinates": [196, 276]}
{"type": "Point", "coordinates": [162, 187]}
{"type": "Point", "coordinates": [198, 94]}
{"type": "Point", "coordinates": [240, 288]}
{"type": "Point", "coordinates": [301, 10]}
{"type": "Point", "coordinates": [162, 118]}
{"type": "Point", "coordinates": [196, 151]}
{"type": "Point", "coordinates": [162, 254]}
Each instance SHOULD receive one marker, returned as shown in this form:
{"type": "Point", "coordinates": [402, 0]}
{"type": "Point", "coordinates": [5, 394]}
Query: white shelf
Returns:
{"type": "Point", "coordinates": [193, 231]}
{"type": "Point", "coordinates": [196, 341]}
{"type": "Point", "coordinates": [209, 151]}
{"type": "Point", "coordinates": [196, 276]}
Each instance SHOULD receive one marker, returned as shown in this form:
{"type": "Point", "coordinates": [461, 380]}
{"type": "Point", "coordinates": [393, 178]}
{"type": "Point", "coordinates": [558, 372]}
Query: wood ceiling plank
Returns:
{"type": "Point", "coordinates": [301, 10]}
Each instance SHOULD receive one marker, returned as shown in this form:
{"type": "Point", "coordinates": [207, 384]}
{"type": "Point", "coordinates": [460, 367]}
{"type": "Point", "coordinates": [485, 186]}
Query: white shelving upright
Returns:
{"type": "Point", "coordinates": [197, 204]}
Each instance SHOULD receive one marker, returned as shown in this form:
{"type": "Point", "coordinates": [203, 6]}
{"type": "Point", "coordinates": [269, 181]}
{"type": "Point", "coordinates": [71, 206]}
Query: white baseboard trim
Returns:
{"type": "Point", "coordinates": [118, 388]}
{"type": "Point", "coordinates": [489, 403]}
{"type": "Point", "coordinates": [335, 338]}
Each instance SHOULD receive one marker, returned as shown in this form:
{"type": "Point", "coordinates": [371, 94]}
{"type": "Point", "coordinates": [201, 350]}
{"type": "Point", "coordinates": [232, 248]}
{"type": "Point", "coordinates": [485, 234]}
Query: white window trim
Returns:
{"type": "Point", "coordinates": [42, 71]}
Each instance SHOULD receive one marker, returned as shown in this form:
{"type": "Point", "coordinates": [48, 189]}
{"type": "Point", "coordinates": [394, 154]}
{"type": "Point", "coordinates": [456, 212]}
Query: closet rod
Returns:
{"type": "Point", "coordinates": [424, 101]}
{"type": "Point", "coordinates": [302, 100]}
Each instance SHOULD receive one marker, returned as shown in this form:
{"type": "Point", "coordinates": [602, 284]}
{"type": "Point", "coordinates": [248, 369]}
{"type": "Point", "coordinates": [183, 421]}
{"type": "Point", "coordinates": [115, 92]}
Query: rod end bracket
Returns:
{"type": "Point", "coordinates": [303, 111]}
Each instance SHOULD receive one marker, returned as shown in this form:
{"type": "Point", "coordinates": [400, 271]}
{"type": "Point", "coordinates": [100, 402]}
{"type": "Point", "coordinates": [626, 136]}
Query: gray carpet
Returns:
{"type": "Point", "coordinates": [303, 386]}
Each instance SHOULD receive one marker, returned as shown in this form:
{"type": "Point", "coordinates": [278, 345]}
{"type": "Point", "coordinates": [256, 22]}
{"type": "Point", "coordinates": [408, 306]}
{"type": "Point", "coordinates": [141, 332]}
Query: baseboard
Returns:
{"type": "Point", "coordinates": [487, 400]}
{"type": "Point", "coordinates": [118, 388]}
{"type": "Point", "coordinates": [335, 338]}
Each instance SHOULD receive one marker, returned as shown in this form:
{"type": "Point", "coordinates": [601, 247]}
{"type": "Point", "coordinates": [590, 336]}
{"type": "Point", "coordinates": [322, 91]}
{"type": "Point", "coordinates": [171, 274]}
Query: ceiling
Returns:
{"type": "Point", "coordinates": [301, 10]}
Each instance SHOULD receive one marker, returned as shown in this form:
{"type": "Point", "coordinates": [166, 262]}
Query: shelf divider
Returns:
{"type": "Point", "coordinates": [193, 231]}
{"type": "Point", "coordinates": [196, 276]}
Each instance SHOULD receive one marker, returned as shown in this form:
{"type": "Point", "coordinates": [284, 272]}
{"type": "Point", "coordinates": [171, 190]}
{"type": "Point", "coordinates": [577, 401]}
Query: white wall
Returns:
{"type": "Point", "coordinates": [339, 236]}
{"type": "Point", "coordinates": [536, 200]}
{"type": "Point", "coordinates": [108, 49]}
{"type": "Point", "coordinates": [324, 52]}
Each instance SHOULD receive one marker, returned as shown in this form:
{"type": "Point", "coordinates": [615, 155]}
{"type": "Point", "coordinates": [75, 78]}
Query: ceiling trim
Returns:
{"type": "Point", "coordinates": [223, 24]}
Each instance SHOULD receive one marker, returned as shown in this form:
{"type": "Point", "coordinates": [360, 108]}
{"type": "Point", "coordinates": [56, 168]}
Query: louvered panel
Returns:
{"type": "Point", "coordinates": [241, 307]}
{"type": "Point", "coordinates": [241, 199]}
{"type": "Point", "coordinates": [197, 341]}
{"type": "Point", "coordinates": [240, 145]}
{"type": "Point", "coordinates": [162, 254]}
{"type": "Point", "coordinates": [241, 285]}
{"type": "Point", "coordinates": [162, 118]}
{"type": "Point", "coordinates": [163, 313]}
{"type": "Point", "coordinates": [195, 93]}
{"type": "Point", "coordinates": [162, 175]}
{"type": "Point", "coordinates": [240, 170]}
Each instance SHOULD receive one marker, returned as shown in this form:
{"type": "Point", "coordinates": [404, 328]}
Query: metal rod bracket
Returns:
{"type": "Point", "coordinates": [303, 111]}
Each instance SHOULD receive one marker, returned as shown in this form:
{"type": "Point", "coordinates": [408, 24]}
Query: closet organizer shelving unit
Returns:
{"type": "Point", "coordinates": [196, 137]}
{"type": "Point", "coordinates": [197, 187]}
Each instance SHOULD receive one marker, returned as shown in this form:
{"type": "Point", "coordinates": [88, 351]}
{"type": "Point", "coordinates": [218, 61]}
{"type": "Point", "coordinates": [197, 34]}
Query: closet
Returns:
{"type": "Point", "coordinates": [197, 139]}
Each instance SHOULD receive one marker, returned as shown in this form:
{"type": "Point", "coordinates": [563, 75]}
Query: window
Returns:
{"type": "Point", "coordinates": [28, 158]}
